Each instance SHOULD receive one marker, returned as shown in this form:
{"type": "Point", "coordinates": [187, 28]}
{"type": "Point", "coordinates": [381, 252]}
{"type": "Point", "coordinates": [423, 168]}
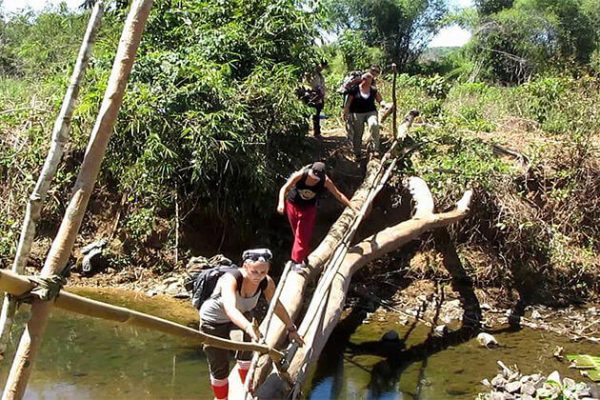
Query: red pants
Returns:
{"type": "Point", "coordinates": [302, 220]}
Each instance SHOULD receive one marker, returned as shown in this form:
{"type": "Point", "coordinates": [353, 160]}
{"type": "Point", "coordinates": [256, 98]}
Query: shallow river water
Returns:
{"type": "Point", "coordinates": [86, 358]}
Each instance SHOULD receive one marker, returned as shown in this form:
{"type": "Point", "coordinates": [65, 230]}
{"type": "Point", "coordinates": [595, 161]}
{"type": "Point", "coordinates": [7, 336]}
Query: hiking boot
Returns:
{"type": "Point", "coordinates": [299, 268]}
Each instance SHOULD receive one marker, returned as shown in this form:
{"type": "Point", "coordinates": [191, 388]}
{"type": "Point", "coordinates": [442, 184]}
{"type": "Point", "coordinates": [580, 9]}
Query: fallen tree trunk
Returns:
{"type": "Point", "coordinates": [295, 284]}
{"type": "Point", "coordinates": [324, 321]}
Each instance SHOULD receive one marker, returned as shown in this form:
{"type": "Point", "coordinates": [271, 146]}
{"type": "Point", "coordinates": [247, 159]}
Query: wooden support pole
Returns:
{"type": "Point", "coordinates": [60, 137]}
{"type": "Point", "coordinates": [394, 102]}
{"type": "Point", "coordinates": [18, 285]}
{"type": "Point", "coordinates": [63, 244]}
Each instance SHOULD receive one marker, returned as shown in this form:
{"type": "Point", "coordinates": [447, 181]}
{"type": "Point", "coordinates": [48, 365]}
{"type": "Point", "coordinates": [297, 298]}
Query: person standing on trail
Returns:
{"type": "Point", "coordinates": [231, 305]}
{"type": "Point", "coordinates": [360, 109]}
{"type": "Point", "coordinates": [298, 199]}
{"type": "Point", "coordinates": [317, 85]}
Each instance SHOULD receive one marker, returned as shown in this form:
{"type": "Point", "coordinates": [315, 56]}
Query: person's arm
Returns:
{"type": "Point", "coordinates": [337, 194]}
{"type": "Point", "coordinates": [228, 288]}
{"type": "Point", "coordinates": [282, 313]}
{"type": "Point", "coordinates": [292, 180]}
{"type": "Point", "coordinates": [346, 111]}
{"type": "Point", "coordinates": [378, 97]}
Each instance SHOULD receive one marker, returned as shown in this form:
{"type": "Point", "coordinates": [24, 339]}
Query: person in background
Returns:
{"type": "Point", "coordinates": [231, 307]}
{"type": "Point", "coordinates": [317, 85]}
{"type": "Point", "coordinates": [360, 109]}
{"type": "Point", "coordinates": [298, 199]}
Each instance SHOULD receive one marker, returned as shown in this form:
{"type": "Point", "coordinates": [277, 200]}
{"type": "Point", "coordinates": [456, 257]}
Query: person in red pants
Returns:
{"type": "Point", "coordinates": [298, 199]}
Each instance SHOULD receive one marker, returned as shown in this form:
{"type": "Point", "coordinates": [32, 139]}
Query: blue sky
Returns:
{"type": "Point", "coordinates": [451, 36]}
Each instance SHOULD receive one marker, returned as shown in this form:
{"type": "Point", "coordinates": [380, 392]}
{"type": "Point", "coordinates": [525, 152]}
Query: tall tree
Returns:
{"type": "Point", "coordinates": [402, 28]}
{"type": "Point", "coordinates": [67, 233]}
{"type": "Point", "coordinates": [488, 7]}
{"type": "Point", "coordinates": [534, 36]}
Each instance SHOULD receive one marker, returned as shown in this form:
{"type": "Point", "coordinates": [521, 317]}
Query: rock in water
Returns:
{"type": "Point", "coordinates": [440, 331]}
{"type": "Point", "coordinates": [390, 336]}
{"type": "Point", "coordinates": [487, 340]}
{"type": "Point", "coordinates": [513, 387]}
{"type": "Point", "coordinates": [93, 259]}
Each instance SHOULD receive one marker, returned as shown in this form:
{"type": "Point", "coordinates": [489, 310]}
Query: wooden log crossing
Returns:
{"type": "Point", "coordinates": [18, 285]}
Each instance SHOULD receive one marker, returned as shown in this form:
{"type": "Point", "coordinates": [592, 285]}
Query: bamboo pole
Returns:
{"type": "Point", "coordinates": [394, 102]}
{"type": "Point", "coordinates": [60, 137]}
{"type": "Point", "coordinates": [67, 233]}
{"type": "Point", "coordinates": [246, 393]}
{"type": "Point", "coordinates": [18, 285]}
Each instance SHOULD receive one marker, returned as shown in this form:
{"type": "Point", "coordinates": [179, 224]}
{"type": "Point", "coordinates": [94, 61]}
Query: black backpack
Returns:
{"type": "Point", "coordinates": [309, 97]}
{"type": "Point", "coordinates": [350, 82]}
{"type": "Point", "coordinates": [206, 281]}
{"type": "Point", "coordinates": [203, 283]}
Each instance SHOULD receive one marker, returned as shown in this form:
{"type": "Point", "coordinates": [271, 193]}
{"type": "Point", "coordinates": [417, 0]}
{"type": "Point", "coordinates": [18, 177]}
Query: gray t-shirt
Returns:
{"type": "Point", "coordinates": [213, 310]}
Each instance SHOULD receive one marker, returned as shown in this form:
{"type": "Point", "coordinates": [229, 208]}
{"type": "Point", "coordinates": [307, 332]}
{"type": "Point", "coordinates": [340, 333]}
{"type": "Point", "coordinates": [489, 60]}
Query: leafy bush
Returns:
{"type": "Point", "coordinates": [210, 109]}
{"type": "Point", "coordinates": [209, 112]}
{"type": "Point", "coordinates": [357, 53]}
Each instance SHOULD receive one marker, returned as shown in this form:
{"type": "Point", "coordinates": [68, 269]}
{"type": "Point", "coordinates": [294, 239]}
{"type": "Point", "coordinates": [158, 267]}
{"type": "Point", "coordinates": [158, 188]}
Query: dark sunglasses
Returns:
{"type": "Point", "coordinates": [262, 255]}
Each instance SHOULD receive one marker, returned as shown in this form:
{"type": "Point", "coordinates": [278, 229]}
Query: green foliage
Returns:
{"type": "Point", "coordinates": [140, 223]}
{"type": "Point", "coordinates": [595, 61]}
{"type": "Point", "coordinates": [402, 29]}
{"type": "Point", "coordinates": [41, 44]}
{"type": "Point", "coordinates": [534, 36]}
{"type": "Point", "coordinates": [209, 111]}
{"type": "Point", "coordinates": [586, 362]}
{"type": "Point", "coordinates": [541, 97]}
{"type": "Point", "coordinates": [451, 63]}
{"type": "Point", "coordinates": [476, 106]}
{"type": "Point", "coordinates": [449, 159]}
{"type": "Point", "coordinates": [488, 7]}
{"type": "Point", "coordinates": [210, 108]}
{"type": "Point", "coordinates": [356, 51]}
{"type": "Point", "coordinates": [435, 86]}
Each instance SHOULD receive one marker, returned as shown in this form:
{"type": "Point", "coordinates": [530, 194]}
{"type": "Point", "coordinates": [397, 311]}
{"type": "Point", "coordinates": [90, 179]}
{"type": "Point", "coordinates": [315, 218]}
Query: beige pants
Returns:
{"type": "Point", "coordinates": [357, 125]}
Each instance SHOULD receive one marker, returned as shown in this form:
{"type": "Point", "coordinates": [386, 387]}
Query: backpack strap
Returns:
{"type": "Point", "coordinates": [263, 284]}
{"type": "Point", "coordinates": [239, 279]}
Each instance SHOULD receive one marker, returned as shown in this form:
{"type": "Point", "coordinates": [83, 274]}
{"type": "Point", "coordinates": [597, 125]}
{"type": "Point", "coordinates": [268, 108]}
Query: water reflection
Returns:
{"type": "Point", "coordinates": [372, 369]}
{"type": "Point", "coordinates": [86, 358]}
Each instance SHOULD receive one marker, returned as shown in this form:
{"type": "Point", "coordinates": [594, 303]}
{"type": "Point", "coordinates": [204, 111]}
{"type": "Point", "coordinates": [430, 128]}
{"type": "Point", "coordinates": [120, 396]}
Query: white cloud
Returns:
{"type": "Point", "coordinates": [451, 36]}
{"type": "Point", "coordinates": [461, 3]}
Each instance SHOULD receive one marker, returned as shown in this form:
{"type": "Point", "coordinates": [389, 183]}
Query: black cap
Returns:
{"type": "Point", "coordinates": [318, 168]}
